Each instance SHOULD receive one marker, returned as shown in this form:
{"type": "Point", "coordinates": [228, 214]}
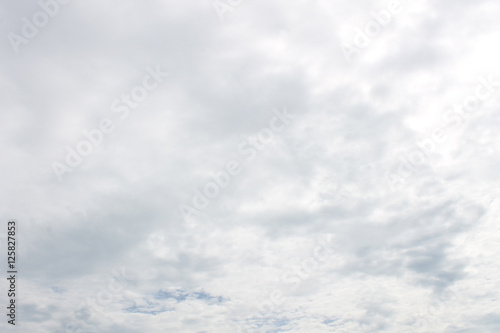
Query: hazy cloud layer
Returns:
{"type": "Point", "coordinates": [283, 166]}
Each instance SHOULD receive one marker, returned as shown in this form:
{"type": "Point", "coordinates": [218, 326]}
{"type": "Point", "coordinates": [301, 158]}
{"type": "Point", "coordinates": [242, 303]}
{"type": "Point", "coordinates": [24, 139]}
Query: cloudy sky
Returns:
{"type": "Point", "coordinates": [252, 166]}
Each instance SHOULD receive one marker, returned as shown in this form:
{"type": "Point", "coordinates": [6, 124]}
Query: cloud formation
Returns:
{"type": "Point", "coordinates": [373, 207]}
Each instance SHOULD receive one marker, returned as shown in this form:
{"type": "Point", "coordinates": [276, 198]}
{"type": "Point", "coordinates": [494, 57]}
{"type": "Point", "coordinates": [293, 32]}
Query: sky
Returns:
{"type": "Point", "coordinates": [251, 166]}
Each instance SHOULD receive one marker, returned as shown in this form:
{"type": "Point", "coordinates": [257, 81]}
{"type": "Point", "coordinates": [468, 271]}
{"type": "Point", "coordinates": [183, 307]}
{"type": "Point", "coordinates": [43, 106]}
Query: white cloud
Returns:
{"type": "Point", "coordinates": [414, 255]}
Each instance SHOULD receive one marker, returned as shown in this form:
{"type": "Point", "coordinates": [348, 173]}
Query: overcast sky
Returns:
{"type": "Point", "coordinates": [252, 166]}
